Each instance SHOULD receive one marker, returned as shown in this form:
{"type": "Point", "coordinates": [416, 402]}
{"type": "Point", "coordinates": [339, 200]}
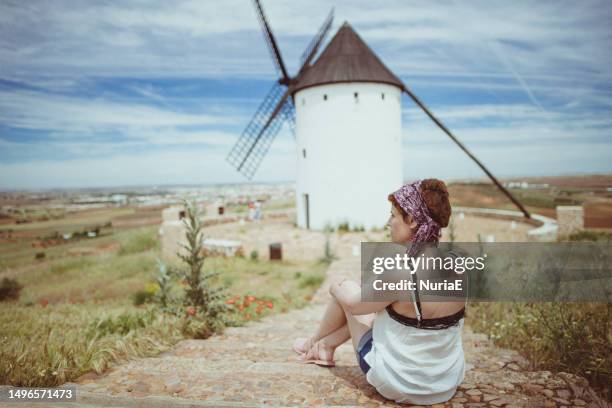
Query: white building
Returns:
{"type": "Point", "coordinates": [348, 130]}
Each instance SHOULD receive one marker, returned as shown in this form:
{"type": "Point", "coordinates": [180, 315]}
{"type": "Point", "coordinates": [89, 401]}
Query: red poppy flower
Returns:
{"type": "Point", "coordinates": [270, 305]}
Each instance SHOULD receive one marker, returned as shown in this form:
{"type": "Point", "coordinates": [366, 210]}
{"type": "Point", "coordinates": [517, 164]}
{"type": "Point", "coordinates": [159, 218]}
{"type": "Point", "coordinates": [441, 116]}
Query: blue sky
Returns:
{"type": "Point", "coordinates": [134, 92]}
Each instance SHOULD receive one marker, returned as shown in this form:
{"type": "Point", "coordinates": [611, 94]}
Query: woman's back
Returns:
{"type": "Point", "coordinates": [417, 354]}
{"type": "Point", "coordinates": [415, 365]}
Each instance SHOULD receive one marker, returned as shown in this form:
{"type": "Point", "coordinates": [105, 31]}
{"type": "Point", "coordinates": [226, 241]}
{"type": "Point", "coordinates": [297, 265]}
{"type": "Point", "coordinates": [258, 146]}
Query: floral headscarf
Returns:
{"type": "Point", "coordinates": [411, 201]}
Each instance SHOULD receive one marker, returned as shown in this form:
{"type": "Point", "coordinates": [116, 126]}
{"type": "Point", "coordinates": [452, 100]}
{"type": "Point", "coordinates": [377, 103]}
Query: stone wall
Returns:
{"type": "Point", "coordinates": [570, 219]}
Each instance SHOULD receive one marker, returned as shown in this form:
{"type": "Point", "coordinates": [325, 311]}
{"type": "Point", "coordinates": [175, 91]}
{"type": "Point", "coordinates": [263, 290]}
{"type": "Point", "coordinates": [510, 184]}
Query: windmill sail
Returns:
{"type": "Point", "coordinates": [255, 140]}
{"type": "Point", "coordinates": [462, 147]}
{"type": "Point", "coordinates": [316, 42]}
{"type": "Point", "coordinates": [272, 45]}
{"type": "Point", "coordinates": [277, 107]}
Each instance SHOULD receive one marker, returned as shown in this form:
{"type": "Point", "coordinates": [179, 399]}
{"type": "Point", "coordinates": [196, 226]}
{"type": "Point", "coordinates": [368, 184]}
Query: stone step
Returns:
{"type": "Point", "coordinates": [204, 368]}
{"type": "Point", "coordinates": [96, 400]}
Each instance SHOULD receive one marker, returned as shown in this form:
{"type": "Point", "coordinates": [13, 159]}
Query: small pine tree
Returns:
{"type": "Point", "coordinates": [204, 300]}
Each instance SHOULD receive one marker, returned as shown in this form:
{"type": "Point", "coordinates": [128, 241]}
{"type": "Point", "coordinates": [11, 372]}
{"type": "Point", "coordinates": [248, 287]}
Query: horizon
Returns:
{"type": "Point", "coordinates": [483, 179]}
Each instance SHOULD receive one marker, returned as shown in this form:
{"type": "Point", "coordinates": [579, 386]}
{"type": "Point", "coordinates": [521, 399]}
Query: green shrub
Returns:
{"type": "Point", "coordinates": [141, 297]}
{"type": "Point", "coordinates": [569, 337]}
{"type": "Point", "coordinates": [311, 281]}
{"type": "Point", "coordinates": [121, 324]}
{"type": "Point", "coordinates": [9, 289]}
{"type": "Point", "coordinates": [206, 309]}
{"type": "Point", "coordinates": [254, 255]}
{"type": "Point", "coordinates": [344, 227]}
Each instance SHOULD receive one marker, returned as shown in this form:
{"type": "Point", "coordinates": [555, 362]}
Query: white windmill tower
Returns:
{"type": "Point", "coordinates": [345, 109]}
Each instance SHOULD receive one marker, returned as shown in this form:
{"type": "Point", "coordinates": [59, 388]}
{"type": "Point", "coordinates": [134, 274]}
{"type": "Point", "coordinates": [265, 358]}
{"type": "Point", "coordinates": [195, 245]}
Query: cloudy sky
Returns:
{"type": "Point", "coordinates": [142, 92]}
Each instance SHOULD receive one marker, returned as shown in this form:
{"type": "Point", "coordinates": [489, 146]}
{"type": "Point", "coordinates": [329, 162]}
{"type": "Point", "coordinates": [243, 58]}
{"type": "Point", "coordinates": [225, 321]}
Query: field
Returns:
{"type": "Point", "coordinates": [589, 191]}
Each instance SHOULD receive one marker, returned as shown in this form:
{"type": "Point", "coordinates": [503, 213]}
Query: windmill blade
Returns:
{"type": "Point", "coordinates": [271, 42]}
{"type": "Point", "coordinates": [289, 114]}
{"type": "Point", "coordinates": [316, 42]}
{"type": "Point", "coordinates": [462, 147]}
{"type": "Point", "coordinates": [255, 140]}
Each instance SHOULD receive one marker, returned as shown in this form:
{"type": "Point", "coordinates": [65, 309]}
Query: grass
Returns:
{"type": "Point", "coordinates": [47, 346]}
{"type": "Point", "coordinates": [555, 336]}
{"type": "Point", "coordinates": [138, 241]}
{"type": "Point", "coordinates": [591, 235]}
{"type": "Point", "coordinates": [76, 314]}
{"type": "Point", "coordinates": [569, 337]}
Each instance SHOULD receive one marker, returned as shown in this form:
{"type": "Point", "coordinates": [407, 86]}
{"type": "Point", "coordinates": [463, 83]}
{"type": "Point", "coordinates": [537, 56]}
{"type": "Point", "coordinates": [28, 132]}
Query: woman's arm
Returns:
{"type": "Point", "coordinates": [351, 300]}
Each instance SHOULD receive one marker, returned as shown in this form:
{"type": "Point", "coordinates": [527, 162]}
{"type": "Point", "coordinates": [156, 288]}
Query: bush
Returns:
{"type": "Point", "coordinates": [569, 337]}
{"type": "Point", "coordinates": [344, 227]}
{"type": "Point", "coordinates": [122, 324]}
{"type": "Point", "coordinates": [311, 281]}
{"type": "Point", "coordinates": [141, 297]}
{"type": "Point", "coordinates": [9, 289]}
{"type": "Point", "coordinates": [205, 313]}
{"type": "Point", "coordinates": [254, 255]}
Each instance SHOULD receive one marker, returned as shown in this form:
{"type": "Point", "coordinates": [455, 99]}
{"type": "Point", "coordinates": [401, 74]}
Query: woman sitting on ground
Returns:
{"type": "Point", "coordinates": [410, 351]}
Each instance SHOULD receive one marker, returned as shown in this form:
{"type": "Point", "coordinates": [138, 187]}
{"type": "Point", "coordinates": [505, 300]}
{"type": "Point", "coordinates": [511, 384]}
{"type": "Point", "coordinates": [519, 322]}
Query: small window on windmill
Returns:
{"type": "Point", "coordinates": [356, 95]}
{"type": "Point", "coordinates": [304, 153]}
{"type": "Point", "coordinates": [324, 97]}
{"type": "Point", "coordinates": [382, 96]}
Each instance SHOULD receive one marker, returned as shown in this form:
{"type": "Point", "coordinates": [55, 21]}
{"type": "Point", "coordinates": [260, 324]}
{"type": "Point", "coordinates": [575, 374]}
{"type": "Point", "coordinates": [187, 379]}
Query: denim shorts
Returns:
{"type": "Point", "coordinates": [363, 348]}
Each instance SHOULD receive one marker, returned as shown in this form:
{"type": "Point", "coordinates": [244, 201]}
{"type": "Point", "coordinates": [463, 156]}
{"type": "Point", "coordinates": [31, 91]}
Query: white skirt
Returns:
{"type": "Point", "coordinates": [412, 365]}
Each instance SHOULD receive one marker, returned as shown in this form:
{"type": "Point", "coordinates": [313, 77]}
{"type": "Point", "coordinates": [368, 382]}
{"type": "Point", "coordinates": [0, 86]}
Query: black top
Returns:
{"type": "Point", "coordinates": [437, 323]}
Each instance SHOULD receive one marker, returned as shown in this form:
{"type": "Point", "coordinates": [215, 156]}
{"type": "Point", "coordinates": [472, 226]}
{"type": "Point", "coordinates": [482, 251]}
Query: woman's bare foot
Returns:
{"type": "Point", "coordinates": [303, 344]}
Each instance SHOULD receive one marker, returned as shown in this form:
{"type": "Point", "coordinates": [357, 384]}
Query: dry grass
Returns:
{"type": "Point", "coordinates": [76, 314]}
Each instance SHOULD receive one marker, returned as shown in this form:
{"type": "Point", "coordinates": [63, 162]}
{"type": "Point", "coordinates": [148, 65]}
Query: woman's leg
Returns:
{"type": "Point", "coordinates": [332, 320]}
{"type": "Point", "coordinates": [353, 326]}
{"type": "Point", "coordinates": [357, 324]}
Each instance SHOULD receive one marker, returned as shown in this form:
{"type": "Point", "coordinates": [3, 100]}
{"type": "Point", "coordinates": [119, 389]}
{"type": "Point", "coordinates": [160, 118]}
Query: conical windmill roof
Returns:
{"type": "Point", "coordinates": [347, 58]}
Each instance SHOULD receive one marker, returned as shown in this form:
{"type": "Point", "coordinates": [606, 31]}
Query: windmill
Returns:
{"type": "Point", "coordinates": [345, 111]}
